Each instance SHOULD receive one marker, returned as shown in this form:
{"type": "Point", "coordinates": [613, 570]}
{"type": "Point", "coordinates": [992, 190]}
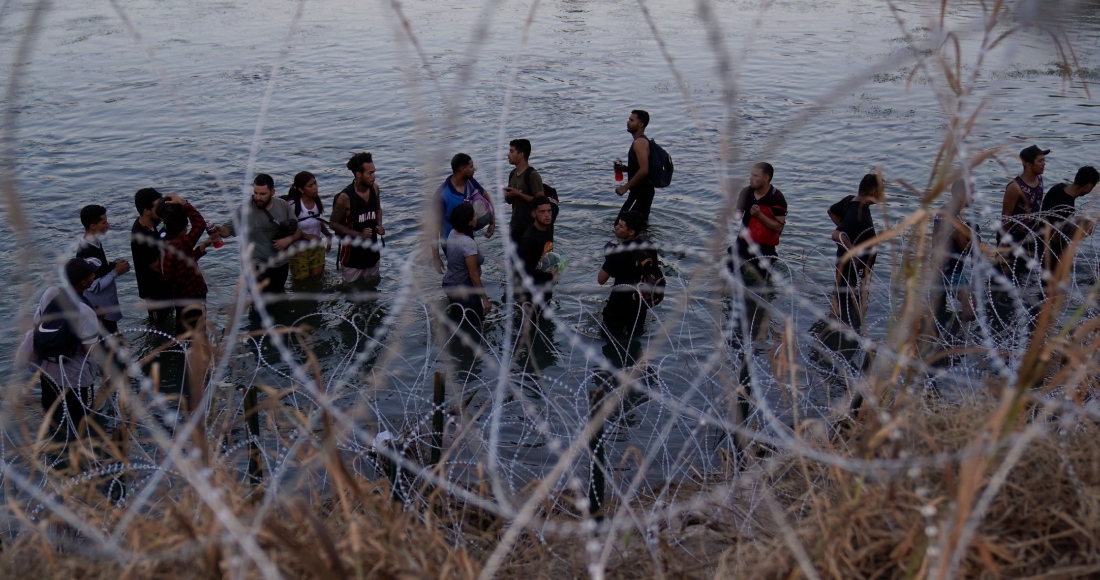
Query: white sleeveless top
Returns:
{"type": "Point", "coordinates": [306, 221]}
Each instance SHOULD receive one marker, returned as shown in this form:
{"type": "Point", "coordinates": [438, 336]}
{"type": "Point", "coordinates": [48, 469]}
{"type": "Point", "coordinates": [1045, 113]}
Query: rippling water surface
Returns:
{"type": "Point", "coordinates": [826, 91]}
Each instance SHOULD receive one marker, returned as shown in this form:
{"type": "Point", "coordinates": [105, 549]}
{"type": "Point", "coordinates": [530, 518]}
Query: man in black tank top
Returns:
{"type": "Point", "coordinates": [637, 168]}
{"type": "Point", "coordinates": [357, 213]}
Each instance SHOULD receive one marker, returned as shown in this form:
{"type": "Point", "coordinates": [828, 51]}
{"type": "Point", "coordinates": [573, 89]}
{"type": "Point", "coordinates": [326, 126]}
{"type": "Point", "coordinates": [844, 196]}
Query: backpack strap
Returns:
{"type": "Point", "coordinates": [527, 178]}
{"type": "Point", "coordinates": [269, 216]}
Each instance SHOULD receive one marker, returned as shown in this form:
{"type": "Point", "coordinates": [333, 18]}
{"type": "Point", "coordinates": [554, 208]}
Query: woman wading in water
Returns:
{"type": "Point", "coordinates": [308, 264]}
{"type": "Point", "coordinates": [462, 279]}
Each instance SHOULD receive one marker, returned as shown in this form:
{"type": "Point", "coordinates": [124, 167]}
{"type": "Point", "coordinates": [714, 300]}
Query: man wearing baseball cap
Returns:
{"type": "Point", "coordinates": [1023, 197]}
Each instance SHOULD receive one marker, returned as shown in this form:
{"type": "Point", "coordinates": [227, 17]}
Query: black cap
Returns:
{"type": "Point", "coordinates": [1030, 153]}
{"type": "Point", "coordinates": [78, 269]}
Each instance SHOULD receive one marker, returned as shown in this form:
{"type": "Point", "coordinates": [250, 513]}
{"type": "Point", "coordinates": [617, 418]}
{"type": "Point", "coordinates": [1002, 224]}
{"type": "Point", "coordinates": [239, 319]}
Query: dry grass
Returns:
{"type": "Point", "coordinates": [1042, 522]}
{"type": "Point", "coordinates": [370, 537]}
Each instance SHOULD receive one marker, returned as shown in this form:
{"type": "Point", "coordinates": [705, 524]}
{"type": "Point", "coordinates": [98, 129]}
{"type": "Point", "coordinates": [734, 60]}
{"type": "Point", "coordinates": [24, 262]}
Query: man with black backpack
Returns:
{"type": "Point", "coordinates": [65, 329]}
{"type": "Point", "coordinates": [648, 166]}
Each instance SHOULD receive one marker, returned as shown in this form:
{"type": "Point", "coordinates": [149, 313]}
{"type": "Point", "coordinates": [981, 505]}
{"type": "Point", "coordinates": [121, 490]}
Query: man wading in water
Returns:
{"type": "Point", "coordinates": [637, 169]}
{"type": "Point", "coordinates": [762, 210]}
{"type": "Point", "coordinates": [357, 213]}
{"type": "Point", "coordinates": [1023, 196]}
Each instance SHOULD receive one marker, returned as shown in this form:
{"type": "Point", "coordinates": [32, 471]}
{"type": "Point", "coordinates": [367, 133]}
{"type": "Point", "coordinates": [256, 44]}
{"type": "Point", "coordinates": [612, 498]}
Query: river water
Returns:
{"type": "Point", "coordinates": [172, 95]}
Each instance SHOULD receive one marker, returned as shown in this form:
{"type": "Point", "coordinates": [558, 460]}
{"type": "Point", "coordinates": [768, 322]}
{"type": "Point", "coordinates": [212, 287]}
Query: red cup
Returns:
{"type": "Point", "coordinates": [215, 239]}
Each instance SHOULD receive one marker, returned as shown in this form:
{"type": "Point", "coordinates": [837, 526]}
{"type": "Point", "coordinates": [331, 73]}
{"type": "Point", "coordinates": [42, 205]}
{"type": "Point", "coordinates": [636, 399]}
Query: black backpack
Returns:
{"type": "Point", "coordinates": [660, 165]}
{"type": "Point", "coordinates": [652, 283]}
{"type": "Point", "coordinates": [54, 336]}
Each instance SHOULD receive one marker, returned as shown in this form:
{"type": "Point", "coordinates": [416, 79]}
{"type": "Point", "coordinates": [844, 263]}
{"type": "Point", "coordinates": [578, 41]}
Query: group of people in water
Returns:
{"type": "Point", "coordinates": [290, 236]}
{"type": "Point", "coordinates": [1037, 228]}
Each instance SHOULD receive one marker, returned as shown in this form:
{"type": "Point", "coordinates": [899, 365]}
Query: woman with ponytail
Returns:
{"type": "Point", "coordinates": [308, 208]}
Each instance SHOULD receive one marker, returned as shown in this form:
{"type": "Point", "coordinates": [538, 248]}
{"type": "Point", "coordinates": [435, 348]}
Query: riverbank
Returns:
{"type": "Point", "coordinates": [931, 482]}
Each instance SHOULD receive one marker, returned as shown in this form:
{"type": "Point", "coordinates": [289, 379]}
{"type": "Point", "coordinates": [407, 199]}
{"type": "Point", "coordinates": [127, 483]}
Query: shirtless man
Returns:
{"type": "Point", "coordinates": [357, 213]}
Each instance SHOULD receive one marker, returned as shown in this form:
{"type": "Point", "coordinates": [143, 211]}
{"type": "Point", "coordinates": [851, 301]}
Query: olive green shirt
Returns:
{"type": "Point", "coordinates": [521, 209]}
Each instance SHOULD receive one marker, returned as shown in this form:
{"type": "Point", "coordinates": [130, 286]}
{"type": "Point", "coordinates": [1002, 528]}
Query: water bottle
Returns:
{"type": "Point", "coordinates": [618, 170]}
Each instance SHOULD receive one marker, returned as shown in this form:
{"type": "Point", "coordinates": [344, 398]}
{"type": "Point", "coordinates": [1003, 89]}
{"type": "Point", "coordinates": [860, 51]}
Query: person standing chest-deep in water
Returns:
{"type": "Point", "coordinates": [308, 263]}
{"type": "Point", "coordinates": [854, 225]}
{"type": "Point", "coordinates": [357, 212]}
{"type": "Point", "coordinates": [637, 169]}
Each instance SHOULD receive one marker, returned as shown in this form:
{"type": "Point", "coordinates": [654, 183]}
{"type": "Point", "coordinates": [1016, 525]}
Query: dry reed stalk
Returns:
{"type": "Point", "coordinates": [1041, 520]}
{"type": "Point", "coordinates": [304, 541]}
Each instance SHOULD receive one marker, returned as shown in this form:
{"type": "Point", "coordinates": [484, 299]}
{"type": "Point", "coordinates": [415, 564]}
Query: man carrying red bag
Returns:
{"type": "Point", "coordinates": [763, 212]}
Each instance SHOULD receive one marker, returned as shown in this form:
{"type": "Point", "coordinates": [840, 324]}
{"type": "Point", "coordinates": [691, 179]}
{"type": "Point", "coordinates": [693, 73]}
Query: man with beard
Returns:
{"type": "Point", "coordinates": [273, 227]}
{"type": "Point", "coordinates": [357, 213]}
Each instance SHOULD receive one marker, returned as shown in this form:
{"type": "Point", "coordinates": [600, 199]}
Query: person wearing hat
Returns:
{"type": "Point", "coordinates": [1023, 197]}
{"type": "Point", "coordinates": [68, 375]}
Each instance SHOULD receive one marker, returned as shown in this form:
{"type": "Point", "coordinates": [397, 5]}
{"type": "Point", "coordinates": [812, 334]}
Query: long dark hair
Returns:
{"type": "Point", "coordinates": [461, 216]}
{"type": "Point", "coordinates": [295, 192]}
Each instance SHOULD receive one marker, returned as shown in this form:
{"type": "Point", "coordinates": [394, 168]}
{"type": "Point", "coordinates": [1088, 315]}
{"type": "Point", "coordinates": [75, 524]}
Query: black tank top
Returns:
{"type": "Point", "coordinates": [1019, 228]}
{"type": "Point", "coordinates": [363, 215]}
{"type": "Point", "coordinates": [632, 167]}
